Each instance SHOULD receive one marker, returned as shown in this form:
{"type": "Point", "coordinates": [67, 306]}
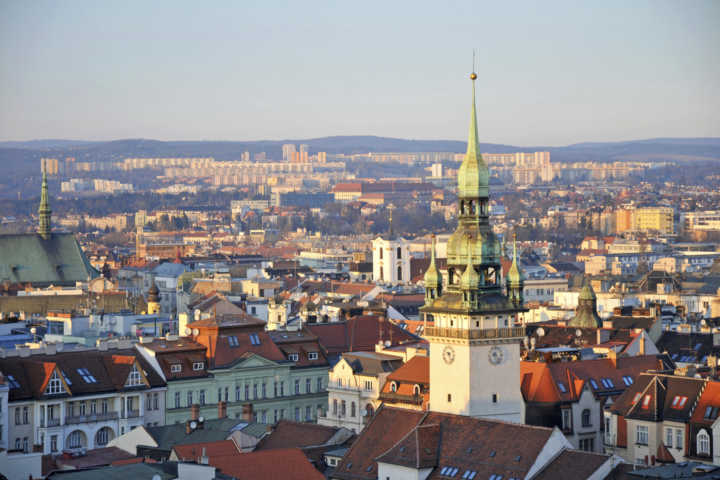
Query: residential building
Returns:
{"type": "Point", "coordinates": [409, 385]}
{"type": "Point", "coordinates": [80, 399]}
{"type": "Point", "coordinates": [354, 386]}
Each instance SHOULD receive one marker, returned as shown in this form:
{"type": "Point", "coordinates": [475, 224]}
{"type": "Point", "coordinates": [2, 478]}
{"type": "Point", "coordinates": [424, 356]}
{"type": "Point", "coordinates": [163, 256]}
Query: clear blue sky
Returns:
{"type": "Point", "coordinates": [550, 72]}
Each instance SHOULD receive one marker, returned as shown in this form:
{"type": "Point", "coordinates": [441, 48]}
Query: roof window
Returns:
{"type": "Point", "coordinates": [679, 402]}
{"type": "Point", "coordinates": [711, 412]}
{"type": "Point", "coordinates": [86, 375]}
{"type": "Point", "coordinates": [13, 382]}
{"type": "Point", "coordinates": [561, 387]}
{"type": "Point", "coordinates": [469, 474]}
{"type": "Point", "coordinates": [254, 339]}
{"type": "Point", "coordinates": [607, 383]}
{"type": "Point", "coordinates": [628, 380]}
{"type": "Point", "coordinates": [233, 341]}
{"type": "Point", "coordinates": [637, 397]}
{"type": "Point", "coordinates": [594, 384]}
{"type": "Point", "coordinates": [646, 402]}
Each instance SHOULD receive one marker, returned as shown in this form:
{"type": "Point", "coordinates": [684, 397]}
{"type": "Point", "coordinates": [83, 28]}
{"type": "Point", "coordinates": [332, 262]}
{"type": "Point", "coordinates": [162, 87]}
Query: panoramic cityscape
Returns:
{"type": "Point", "coordinates": [246, 241]}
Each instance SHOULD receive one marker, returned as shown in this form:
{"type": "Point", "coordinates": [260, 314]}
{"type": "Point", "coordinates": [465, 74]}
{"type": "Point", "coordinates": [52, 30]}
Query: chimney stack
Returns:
{"type": "Point", "coordinates": [222, 409]}
{"type": "Point", "coordinates": [247, 412]}
{"type": "Point", "coordinates": [194, 411]}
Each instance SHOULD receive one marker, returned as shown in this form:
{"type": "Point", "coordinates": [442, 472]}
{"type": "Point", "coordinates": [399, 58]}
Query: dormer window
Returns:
{"type": "Point", "coordinates": [293, 357]}
{"type": "Point", "coordinates": [55, 385]}
{"type": "Point", "coordinates": [175, 368]}
{"type": "Point", "coordinates": [198, 366]}
{"type": "Point", "coordinates": [134, 379]}
{"type": "Point", "coordinates": [416, 390]}
{"type": "Point", "coordinates": [393, 387]}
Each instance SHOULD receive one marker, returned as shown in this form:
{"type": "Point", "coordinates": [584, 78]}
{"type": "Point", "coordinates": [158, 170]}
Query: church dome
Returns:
{"type": "Point", "coordinates": [153, 293]}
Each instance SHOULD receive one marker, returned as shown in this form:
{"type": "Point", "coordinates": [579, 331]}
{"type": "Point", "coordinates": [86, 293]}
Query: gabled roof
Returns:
{"type": "Point", "coordinates": [168, 436]}
{"type": "Point", "coordinates": [419, 448]}
{"type": "Point", "coordinates": [416, 370]}
{"type": "Point", "coordinates": [371, 363]}
{"type": "Point", "coordinates": [83, 373]}
{"type": "Point", "coordinates": [192, 451]}
{"type": "Point", "coordinates": [708, 406]}
{"type": "Point", "coordinates": [57, 260]}
{"type": "Point", "coordinates": [658, 397]}
{"type": "Point", "coordinates": [572, 465]}
{"type": "Point", "coordinates": [465, 443]}
{"type": "Point", "coordinates": [285, 464]}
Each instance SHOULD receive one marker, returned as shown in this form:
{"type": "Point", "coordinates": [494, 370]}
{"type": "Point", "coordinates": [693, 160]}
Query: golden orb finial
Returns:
{"type": "Point", "coordinates": [473, 76]}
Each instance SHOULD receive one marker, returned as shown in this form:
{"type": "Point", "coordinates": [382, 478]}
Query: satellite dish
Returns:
{"type": "Point", "coordinates": [201, 419]}
{"type": "Point", "coordinates": [193, 424]}
{"type": "Point", "coordinates": [540, 332]}
{"type": "Point", "coordinates": [188, 330]}
{"type": "Point", "coordinates": [578, 333]}
{"type": "Point", "coordinates": [196, 331]}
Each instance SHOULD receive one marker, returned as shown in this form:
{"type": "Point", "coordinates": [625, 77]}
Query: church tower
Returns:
{"type": "Point", "coordinates": [474, 344]}
{"type": "Point", "coordinates": [153, 300]}
{"type": "Point", "coordinates": [44, 212]}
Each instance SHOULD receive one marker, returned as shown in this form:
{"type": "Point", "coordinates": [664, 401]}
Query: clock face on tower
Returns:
{"type": "Point", "coordinates": [496, 355]}
{"type": "Point", "coordinates": [448, 355]}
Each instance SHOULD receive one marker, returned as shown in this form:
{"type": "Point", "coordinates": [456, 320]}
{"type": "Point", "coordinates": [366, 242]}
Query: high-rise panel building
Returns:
{"type": "Point", "coordinates": [288, 152]}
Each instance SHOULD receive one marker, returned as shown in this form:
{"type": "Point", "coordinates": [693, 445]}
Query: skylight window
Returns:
{"type": "Point", "coordinates": [628, 380]}
{"type": "Point", "coordinates": [13, 382]}
{"type": "Point", "coordinates": [646, 402]}
{"type": "Point", "coordinates": [67, 380]}
{"type": "Point", "coordinates": [254, 339]}
{"type": "Point", "coordinates": [679, 402]}
{"type": "Point", "coordinates": [233, 341]}
{"type": "Point", "coordinates": [711, 412]}
{"type": "Point", "coordinates": [697, 347]}
{"type": "Point", "coordinates": [637, 397]}
{"type": "Point", "coordinates": [607, 383]}
{"type": "Point", "coordinates": [469, 474]}
{"type": "Point", "coordinates": [86, 375]}
{"type": "Point", "coordinates": [561, 386]}
{"type": "Point", "coordinates": [594, 384]}
{"type": "Point", "coordinates": [496, 477]}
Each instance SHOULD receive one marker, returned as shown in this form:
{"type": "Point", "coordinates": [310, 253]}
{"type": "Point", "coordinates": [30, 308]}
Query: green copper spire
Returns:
{"type": "Point", "coordinates": [473, 176]}
{"type": "Point", "coordinates": [432, 277]}
{"type": "Point", "coordinates": [44, 211]}
{"type": "Point", "coordinates": [514, 275]}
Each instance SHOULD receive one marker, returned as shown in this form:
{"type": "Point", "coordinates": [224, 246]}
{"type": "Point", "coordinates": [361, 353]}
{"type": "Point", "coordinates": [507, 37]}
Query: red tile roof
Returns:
{"type": "Point", "coordinates": [708, 406]}
{"type": "Point", "coordinates": [289, 434]}
{"type": "Point", "coordinates": [416, 370]}
{"type": "Point", "coordinates": [192, 451]}
{"type": "Point", "coordinates": [360, 333]}
{"type": "Point", "coordinates": [285, 464]}
{"type": "Point", "coordinates": [572, 465]}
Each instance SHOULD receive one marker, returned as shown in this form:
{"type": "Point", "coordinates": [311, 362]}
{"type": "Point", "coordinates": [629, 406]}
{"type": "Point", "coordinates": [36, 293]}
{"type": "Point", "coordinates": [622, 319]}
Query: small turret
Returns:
{"type": "Point", "coordinates": [515, 282]}
{"type": "Point", "coordinates": [586, 314]}
{"type": "Point", "coordinates": [432, 279]}
{"type": "Point", "coordinates": [469, 281]}
{"type": "Point", "coordinates": [153, 302]}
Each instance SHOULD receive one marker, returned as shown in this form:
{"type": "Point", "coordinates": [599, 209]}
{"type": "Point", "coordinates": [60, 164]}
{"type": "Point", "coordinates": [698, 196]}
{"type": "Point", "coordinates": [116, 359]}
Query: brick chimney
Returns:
{"type": "Point", "coordinates": [247, 412]}
{"type": "Point", "coordinates": [194, 411]}
{"type": "Point", "coordinates": [222, 409]}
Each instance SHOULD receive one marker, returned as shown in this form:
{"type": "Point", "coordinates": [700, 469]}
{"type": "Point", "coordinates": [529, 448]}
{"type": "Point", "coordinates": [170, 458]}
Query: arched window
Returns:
{"type": "Point", "coordinates": [381, 253]}
{"type": "Point", "coordinates": [103, 436]}
{"type": "Point", "coordinates": [352, 409]}
{"type": "Point", "coordinates": [399, 273]}
{"type": "Point", "coordinates": [399, 253]}
{"type": "Point", "coordinates": [586, 418]}
{"type": "Point", "coordinates": [393, 386]}
{"type": "Point", "coordinates": [416, 390]}
{"type": "Point", "coordinates": [334, 408]}
{"type": "Point", "coordinates": [703, 443]}
{"type": "Point", "coordinates": [369, 410]}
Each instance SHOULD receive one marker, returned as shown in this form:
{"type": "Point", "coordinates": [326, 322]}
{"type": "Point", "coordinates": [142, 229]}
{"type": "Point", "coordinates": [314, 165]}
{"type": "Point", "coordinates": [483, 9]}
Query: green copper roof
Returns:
{"type": "Point", "coordinates": [432, 277]}
{"type": "Point", "coordinates": [44, 211]}
{"type": "Point", "coordinates": [587, 292]}
{"type": "Point", "coordinates": [514, 275]}
{"type": "Point", "coordinates": [30, 258]}
{"type": "Point", "coordinates": [473, 176]}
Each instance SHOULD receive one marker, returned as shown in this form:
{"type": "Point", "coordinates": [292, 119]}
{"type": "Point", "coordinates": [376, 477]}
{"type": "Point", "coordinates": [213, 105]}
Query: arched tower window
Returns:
{"type": "Point", "coordinates": [399, 273]}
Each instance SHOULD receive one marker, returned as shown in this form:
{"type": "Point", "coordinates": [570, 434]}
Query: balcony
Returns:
{"type": "Point", "coordinates": [98, 417]}
{"type": "Point", "coordinates": [52, 422]}
{"type": "Point", "coordinates": [481, 334]}
{"type": "Point", "coordinates": [392, 397]}
{"type": "Point", "coordinates": [133, 413]}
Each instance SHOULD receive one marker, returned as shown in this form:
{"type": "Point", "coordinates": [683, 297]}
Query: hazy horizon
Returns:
{"type": "Point", "coordinates": [550, 74]}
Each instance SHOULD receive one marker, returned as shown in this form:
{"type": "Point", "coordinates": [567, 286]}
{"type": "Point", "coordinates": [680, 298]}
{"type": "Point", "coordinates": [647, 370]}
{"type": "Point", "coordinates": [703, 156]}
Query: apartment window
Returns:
{"type": "Point", "coordinates": [319, 384]}
{"type": "Point", "coordinates": [17, 443]}
{"type": "Point", "coordinates": [586, 418]}
{"type": "Point", "coordinates": [312, 356]}
{"type": "Point", "coordinates": [297, 387]}
{"type": "Point", "coordinates": [399, 253]}
{"type": "Point", "coordinates": [255, 391]}
{"type": "Point", "coordinates": [282, 389]}
{"type": "Point", "coordinates": [198, 366]}
{"type": "Point", "coordinates": [678, 438]}
{"type": "Point", "coordinates": [104, 405]}
{"type": "Point", "coordinates": [308, 385]}
{"type": "Point", "coordinates": [219, 396]}
{"type": "Point", "coordinates": [352, 409]}
{"type": "Point", "coordinates": [368, 385]}
{"type": "Point", "coordinates": [293, 357]}
{"type": "Point", "coordinates": [275, 416]}
{"type": "Point", "coordinates": [54, 385]}
{"type": "Point", "coordinates": [254, 339]}
{"type": "Point", "coordinates": [134, 379]}
{"type": "Point", "coordinates": [449, 397]}
{"type": "Point", "coordinates": [26, 419]}
{"type": "Point", "coordinates": [587, 444]}
{"type": "Point", "coordinates": [17, 416]}
{"type": "Point", "coordinates": [669, 437]}
{"type": "Point", "coordinates": [247, 392]}
{"type": "Point", "coordinates": [189, 398]}
{"type": "Point", "coordinates": [156, 401]}
{"type": "Point", "coordinates": [237, 393]}
{"type": "Point", "coordinates": [101, 438]}
{"type": "Point", "coordinates": [594, 384]}
{"type": "Point", "coordinates": [264, 390]}
{"type": "Point", "coordinates": [494, 398]}
{"type": "Point", "coordinates": [227, 393]}
{"type": "Point", "coordinates": [25, 445]}
{"type": "Point", "coordinates": [275, 389]}
{"type": "Point", "coordinates": [93, 407]}
{"type": "Point", "coordinates": [177, 399]}
{"type": "Point", "coordinates": [202, 397]}
{"type": "Point", "coordinates": [566, 419]}
{"type": "Point", "coordinates": [308, 413]}
{"type": "Point", "coordinates": [148, 402]}
{"type": "Point", "coordinates": [297, 414]}
{"type": "Point", "coordinates": [74, 440]}
{"type": "Point", "coordinates": [343, 408]}
{"type": "Point", "coordinates": [175, 368]}
{"type": "Point", "coordinates": [335, 407]}
{"type": "Point", "coordinates": [53, 443]}
{"type": "Point", "coordinates": [703, 443]}
{"type": "Point", "coordinates": [679, 402]}
{"type": "Point", "coordinates": [263, 416]}
{"type": "Point", "coordinates": [399, 273]}
{"type": "Point", "coordinates": [641, 435]}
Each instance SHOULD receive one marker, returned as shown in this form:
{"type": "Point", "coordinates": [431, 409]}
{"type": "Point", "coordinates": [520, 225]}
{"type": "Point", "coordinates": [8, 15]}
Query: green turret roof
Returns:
{"type": "Point", "coordinates": [514, 275]}
{"type": "Point", "coordinates": [432, 277]}
{"type": "Point", "coordinates": [586, 314]}
{"type": "Point", "coordinates": [587, 292]}
{"type": "Point", "coordinates": [473, 176]}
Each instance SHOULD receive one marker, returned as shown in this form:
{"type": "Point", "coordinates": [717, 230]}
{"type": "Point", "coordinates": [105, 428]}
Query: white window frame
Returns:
{"type": "Point", "coordinates": [641, 434]}
{"type": "Point", "coordinates": [198, 366]}
{"type": "Point", "coordinates": [54, 385]}
{"type": "Point", "coordinates": [703, 443]}
{"type": "Point", "coordinates": [176, 368]}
